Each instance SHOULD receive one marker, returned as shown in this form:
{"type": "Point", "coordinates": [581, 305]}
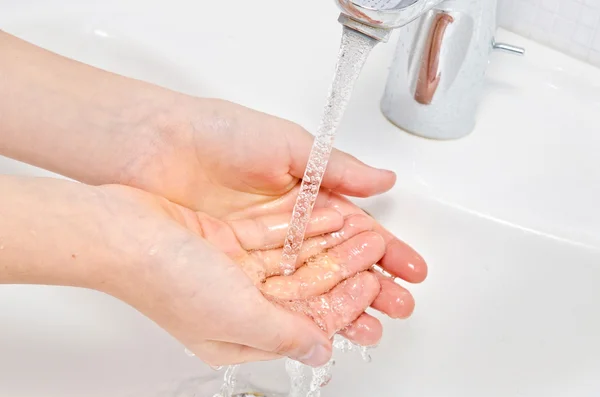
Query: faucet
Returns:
{"type": "Point", "coordinates": [437, 76]}
{"type": "Point", "coordinates": [377, 18]}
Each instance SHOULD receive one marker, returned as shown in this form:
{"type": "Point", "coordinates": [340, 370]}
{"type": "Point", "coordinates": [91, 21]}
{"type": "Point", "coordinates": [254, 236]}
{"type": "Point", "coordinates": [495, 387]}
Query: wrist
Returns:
{"type": "Point", "coordinates": [51, 233]}
{"type": "Point", "coordinates": [105, 118]}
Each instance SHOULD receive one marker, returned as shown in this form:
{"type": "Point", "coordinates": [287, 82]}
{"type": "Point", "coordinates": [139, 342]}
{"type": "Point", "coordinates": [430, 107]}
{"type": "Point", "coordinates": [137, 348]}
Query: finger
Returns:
{"type": "Point", "coordinates": [353, 225]}
{"type": "Point", "coordinates": [346, 302]}
{"type": "Point", "coordinates": [268, 231]}
{"type": "Point", "coordinates": [351, 177]}
{"type": "Point", "coordinates": [365, 331]}
{"type": "Point", "coordinates": [216, 354]}
{"type": "Point", "coordinates": [324, 271]}
{"type": "Point", "coordinates": [393, 300]}
{"type": "Point", "coordinates": [342, 305]}
{"type": "Point", "coordinates": [400, 259]}
{"type": "Point", "coordinates": [345, 174]}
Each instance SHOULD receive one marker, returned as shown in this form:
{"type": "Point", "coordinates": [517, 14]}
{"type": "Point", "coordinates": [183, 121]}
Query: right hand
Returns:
{"type": "Point", "coordinates": [151, 254]}
{"type": "Point", "coordinates": [212, 302]}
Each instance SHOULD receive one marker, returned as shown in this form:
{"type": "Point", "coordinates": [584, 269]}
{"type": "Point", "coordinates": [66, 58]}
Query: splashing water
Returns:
{"type": "Point", "coordinates": [345, 346]}
{"type": "Point", "coordinates": [354, 50]}
{"type": "Point", "coordinates": [295, 371]}
{"type": "Point", "coordinates": [228, 382]}
{"type": "Point", "coordinates": [321, 377]}
{"type": "Point", "coordinates": [300, 384]}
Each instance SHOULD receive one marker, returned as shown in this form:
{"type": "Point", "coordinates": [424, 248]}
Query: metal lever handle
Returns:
{"type": "Point", "coordinates": [508, 48]}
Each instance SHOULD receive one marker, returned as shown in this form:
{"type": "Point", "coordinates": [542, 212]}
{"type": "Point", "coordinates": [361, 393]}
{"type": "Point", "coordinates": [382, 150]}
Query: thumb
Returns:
{"type": "Point", "coordinates": [288, 334]}
{"type": "Point", "coordinates": [345, 174]}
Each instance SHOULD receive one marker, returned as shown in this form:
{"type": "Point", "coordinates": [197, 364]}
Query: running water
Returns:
{"type": "Point", "coordinates": [346, 346]}
{"type": "Point", "coordinates": [354, 50]}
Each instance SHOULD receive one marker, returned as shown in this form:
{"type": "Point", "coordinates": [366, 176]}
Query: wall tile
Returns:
{"type": "Point", "coordinates": [571, 26]}
{"type": "Point", "coordinates": [590, 16]}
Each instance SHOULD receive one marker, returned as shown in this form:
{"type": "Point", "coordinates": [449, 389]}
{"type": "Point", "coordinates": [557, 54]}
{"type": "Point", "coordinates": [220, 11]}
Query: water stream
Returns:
{"type": "Point", "coordinates": [354, 51]}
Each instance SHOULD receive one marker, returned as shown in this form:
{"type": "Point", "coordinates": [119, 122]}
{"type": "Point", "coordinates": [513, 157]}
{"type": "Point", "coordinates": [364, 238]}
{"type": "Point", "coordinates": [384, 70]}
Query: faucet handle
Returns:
{"type": "Point", "coordinates": [508, 48]}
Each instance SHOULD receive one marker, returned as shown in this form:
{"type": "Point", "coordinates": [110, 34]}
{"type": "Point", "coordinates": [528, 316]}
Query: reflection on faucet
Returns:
{"type": "Point", "coordinates": [437, 76]}
{"type": "Point", "coordinates": [429, 75]}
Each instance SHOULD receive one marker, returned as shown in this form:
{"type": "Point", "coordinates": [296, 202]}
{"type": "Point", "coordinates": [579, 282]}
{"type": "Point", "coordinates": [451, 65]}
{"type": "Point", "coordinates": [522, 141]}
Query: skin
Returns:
{"type": "Point", "coordinates": [207, 155]}
{"type": "Point", "coordinates": [154, 255]}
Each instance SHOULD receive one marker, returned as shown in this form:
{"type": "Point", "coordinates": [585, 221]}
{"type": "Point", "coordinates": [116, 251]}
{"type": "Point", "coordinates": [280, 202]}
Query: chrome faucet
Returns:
{"type": "Point", "coordinates": [437, 76]}
{"type": "Point", "coordinates": [377, 18]}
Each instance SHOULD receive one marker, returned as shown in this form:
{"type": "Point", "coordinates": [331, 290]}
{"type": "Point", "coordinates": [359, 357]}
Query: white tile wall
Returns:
{"type": "Point", "coordinates": [572, 26]}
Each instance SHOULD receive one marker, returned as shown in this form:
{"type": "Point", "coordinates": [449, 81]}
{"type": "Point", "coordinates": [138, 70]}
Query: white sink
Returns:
{"type": "Point", "coordinates": [508, 218]}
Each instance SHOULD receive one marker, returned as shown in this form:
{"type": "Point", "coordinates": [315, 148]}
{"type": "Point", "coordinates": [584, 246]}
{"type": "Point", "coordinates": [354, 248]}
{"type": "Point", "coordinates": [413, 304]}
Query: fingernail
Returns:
{"type": "Point", "coordinates": [317, 356]}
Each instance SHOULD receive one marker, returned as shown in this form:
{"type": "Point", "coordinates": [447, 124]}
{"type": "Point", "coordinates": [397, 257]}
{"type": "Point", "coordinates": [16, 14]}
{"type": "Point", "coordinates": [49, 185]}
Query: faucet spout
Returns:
{"type": "Point", "coordinates": [376, 18]}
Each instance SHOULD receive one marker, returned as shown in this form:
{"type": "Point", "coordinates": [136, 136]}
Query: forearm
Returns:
{"type": "Point", "coordinates": [71, 118]}
{"type": "Point", "coordinates": [48, 235]}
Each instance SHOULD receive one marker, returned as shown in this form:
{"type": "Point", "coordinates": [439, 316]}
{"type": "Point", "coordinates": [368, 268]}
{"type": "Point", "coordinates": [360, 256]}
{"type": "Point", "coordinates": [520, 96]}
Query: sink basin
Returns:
{"type": "Point", "coordinates": [507, 217]}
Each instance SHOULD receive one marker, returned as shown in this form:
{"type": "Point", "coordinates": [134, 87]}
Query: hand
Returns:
{"type": "Point", "coordinates": [150, 253]}
{"type": "Point", "coordinates": [214, 312]}
{"type": "Point", "coordinates": [208, 155]}
{"type": "Point", "coordinates": [218, 157]}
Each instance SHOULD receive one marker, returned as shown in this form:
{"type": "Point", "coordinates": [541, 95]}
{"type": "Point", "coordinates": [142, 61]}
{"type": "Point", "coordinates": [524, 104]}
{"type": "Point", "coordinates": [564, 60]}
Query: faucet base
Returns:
{"type": "Point", "coordinates": [416, 129]}
{"type": "Point", "coordinates": [437, 77]}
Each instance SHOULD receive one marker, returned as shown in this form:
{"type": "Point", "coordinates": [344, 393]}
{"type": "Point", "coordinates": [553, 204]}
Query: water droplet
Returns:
{"type": "Point", "coordinates": [364, 353]}
{"type": "Point", "coordinates": [189, 353]}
